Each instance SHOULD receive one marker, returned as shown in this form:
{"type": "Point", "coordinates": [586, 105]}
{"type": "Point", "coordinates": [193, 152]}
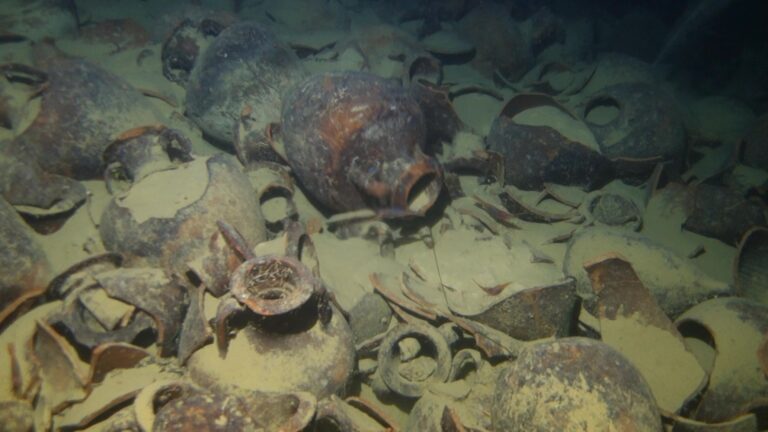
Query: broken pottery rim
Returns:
{"type": "Point", "coordinates": [268, 299]}
{"type": "Point", "coordinates": [423, 177]}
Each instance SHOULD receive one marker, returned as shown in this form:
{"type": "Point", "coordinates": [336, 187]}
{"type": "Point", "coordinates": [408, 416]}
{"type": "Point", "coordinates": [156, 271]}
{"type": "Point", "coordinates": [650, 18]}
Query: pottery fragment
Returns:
{"type": "Point", "coordinates": [536, 154]}
{"type": "Point", "coordinates": [675, 282]}
{"type": "Point", "coordinates": [631, 322]}
{"type": "Point", "coordinates": [100, 106]}
{"type": "Point", "coordinates": [735, 328]}
{"type": "Point", "coordinates": [168, 219]}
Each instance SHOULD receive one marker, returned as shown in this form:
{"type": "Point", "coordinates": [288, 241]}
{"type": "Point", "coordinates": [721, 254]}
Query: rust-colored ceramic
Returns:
{"type": "Point", "coordinates": [355, 140]}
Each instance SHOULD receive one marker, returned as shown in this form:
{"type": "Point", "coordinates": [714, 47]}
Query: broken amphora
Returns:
{"type": "Point", "coordinates": [168, 217]}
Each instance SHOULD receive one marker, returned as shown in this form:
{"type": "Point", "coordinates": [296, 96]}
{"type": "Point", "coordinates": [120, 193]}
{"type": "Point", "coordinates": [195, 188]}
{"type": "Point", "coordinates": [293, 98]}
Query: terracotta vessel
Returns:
{"type": "Point", "coordinates": [168, 216]}
{"type": "Point", "coordinates": [288, 337]}
{"type": "Point", "coordinates": [573, 384]}
{"type": "Point", "coordinates": [355, 140]}
{"type": "Point", "coordinates": [99, 106]}
{"type": "Point", "coordinates": [538, 154]}
{"type": "Point", "coordinates": [246, 65]}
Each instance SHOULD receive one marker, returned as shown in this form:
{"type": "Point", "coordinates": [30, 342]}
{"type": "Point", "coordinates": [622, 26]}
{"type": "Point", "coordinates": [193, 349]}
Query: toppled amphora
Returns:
{"type": "Point", "coordinates": [355, 140]}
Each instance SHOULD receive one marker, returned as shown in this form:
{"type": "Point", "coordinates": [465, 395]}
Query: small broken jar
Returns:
{"type": "Point", "coordinates": [288, 337]}
{"type": "Point", "coordinates": [537, 152]}
{"type": "Point", "coordinates": [356, 141]}
{"type": "Point", "coordinates": [166, 216]}
{"type": "Point", "coordinates": [635, 122]}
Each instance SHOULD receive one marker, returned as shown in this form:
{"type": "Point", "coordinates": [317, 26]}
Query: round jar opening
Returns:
{"type": "Point", "coordinates": [423, 193]}
{"type": "Point", "coordinates": [272, 285]}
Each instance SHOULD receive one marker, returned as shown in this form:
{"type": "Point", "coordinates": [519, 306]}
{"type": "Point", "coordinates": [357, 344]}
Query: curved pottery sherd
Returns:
{"type": "Point", "coordinates": [636, 121]}
{"type": "Point", "coordinates": [168, 219]}
{"type": "Point", "coordinates": [117, 373]}
{"type": "Point", "coordinates": [244, 65]}
{"type": "Point", "coordinates": [355, 140]}
{"type": "Point", "coordinates": [722, 213]}
{"type": "Point", "coordinates": [745, 423]}
{"type": "Point", "coordinates": [750, 268]}
{"type": "Point", "coordinates": [734, 329]}
{"type": "Point", "coordinates": [573, 384]}
{"type": "Point", "coordinates": [525, 207]}
{"type": "Point", "coordinates": [60, 370]}
{"type": "Point", "coordinates": [160, 304]}
{"type": "Point", "coordinates": [534, 313]}
{"type": "Point", "coordinates": [536, 153]}
{"type": "Point", "coordinates": [675, 283]}
{"type": "Point", "coordinates": [631, 322]}
{"type": "Point", "coordinates": [477, 105]}
{"type": "Point", "coordinates": [351, 414]}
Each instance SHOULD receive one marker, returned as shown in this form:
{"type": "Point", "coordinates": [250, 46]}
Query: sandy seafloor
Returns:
{"type": "Point", "coordinates": [476, 251]}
